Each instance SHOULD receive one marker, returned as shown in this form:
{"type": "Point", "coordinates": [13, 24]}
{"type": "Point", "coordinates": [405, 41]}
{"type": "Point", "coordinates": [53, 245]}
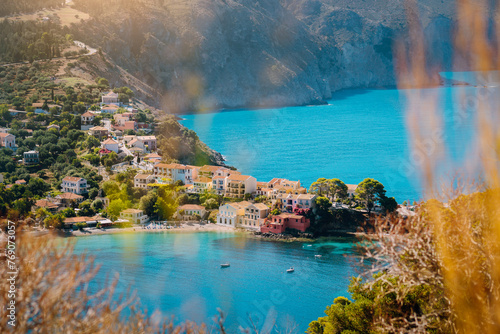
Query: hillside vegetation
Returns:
{"type": "Point", "coordinates": [226, 53]}
{"type": "Point", "coordinates": [23, 6]}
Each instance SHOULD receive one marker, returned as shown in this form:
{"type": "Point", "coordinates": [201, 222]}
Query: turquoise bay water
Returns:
{"type": "Point", "coordinates": [179, 274]}
{"type": "Point", "coordinates": [360, 134]}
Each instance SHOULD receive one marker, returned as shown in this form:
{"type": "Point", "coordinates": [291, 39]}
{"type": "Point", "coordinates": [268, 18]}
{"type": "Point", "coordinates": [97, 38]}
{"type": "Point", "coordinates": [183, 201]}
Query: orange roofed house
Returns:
{"type": "Point", "coordinates": [278, 224]}
{"type": "Point", "coordinates": [68, 200]}
{"type": "Point", "coordinates": [239, 185]}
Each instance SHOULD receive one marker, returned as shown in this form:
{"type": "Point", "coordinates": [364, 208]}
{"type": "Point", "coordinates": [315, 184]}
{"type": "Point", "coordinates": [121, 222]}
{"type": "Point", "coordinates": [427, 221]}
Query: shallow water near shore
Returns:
{"type": "Point", "coordinates": [179, 274]}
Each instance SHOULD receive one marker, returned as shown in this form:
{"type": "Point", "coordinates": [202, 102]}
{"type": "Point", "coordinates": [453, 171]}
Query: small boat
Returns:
{"type": "Point", "coordinates": [318, 256]}
{"type": "Point", "coordinates": [291, 270]}
{"type": "Point", "coordinates": [225, 265]}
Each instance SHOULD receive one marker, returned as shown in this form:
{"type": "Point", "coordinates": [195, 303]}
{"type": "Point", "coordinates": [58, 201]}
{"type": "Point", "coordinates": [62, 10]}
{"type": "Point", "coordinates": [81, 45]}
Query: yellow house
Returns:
{"type": "Point", "coordinates": [134, 216]}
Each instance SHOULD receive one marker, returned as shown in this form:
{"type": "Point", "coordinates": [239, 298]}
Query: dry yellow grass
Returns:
{"type": "Point", "coordinates": [67, 15]}
{"type": "Point", "coordinates": [452, 247]}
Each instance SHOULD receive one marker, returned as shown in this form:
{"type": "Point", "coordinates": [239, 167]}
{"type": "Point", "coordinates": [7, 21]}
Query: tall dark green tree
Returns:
{"type": "Point", "coordinates": [370, 192]}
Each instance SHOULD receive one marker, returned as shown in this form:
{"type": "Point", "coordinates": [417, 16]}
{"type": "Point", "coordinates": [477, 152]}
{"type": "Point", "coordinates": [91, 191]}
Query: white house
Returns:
{"type": "Point", "coordinates": [110, 98]}
{"type": "Point", "coordinates": [188, 211]}
{"type": "Point", "coordinates": [87, 121]}
{"type": "Point", "coordinates": [111, 145]}
{"type": "Point", "coordinates": [75, 185]}
{"type": "Point", "coordinates": [231, 214]}
{"type": "Point", "coordinates": [243, 214]}
{"type": "Point", "coordinates": [142, 180]}
{"type": "Point", "coordinates": [7, 140]}
{"type": "Point", "coordinates": [137, 144]}
{"type": "Point", "coordinates": [134, 216]}
{"type": "Point", "coordinates": [175, 172]}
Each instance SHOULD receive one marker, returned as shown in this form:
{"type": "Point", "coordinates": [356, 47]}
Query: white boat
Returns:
{"type": "Point", "coordinates": [318, 256]}
{"type": "Point", "coordinates": [225, 265]}
{"type": "Point", "coordinates": [291, 270]}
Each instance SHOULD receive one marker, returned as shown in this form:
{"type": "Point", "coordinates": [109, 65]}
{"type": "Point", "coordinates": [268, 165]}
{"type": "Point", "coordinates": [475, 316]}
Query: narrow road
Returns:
{"type": "Point", "coordinates": [91, 51]}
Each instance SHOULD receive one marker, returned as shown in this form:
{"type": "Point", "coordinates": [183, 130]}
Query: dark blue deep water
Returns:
{"type": "Point", "coordinates": [179, 274]}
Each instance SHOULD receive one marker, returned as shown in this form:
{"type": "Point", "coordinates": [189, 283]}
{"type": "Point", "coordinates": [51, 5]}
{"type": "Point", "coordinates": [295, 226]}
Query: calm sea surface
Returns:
{"type": "Point", "coordinates": [179, 274]}
{"type": "Point", "coordinates": [360, 134]}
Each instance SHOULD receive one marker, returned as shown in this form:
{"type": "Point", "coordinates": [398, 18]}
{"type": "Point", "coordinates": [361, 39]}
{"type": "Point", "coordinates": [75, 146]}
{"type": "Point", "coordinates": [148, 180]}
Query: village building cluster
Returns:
{"type": "Point", "coordinates": [267, 206]}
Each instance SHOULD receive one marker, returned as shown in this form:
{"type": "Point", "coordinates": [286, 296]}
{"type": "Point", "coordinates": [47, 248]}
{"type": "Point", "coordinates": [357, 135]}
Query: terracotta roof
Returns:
{"type": "Point", "coordinates": [3, 134]}
{"type": "Point", "coordinates": [22, 181]}
{"type": "Point", "coordinates": [111, 94]}
{"type": "Point", "coordinates": [69, 196]}
{"type": "Point", "coordinates": [239, 205]}
{"type": "Point", "coordinates": [98, 128]}
{"type": "Point", "coordinates": [77, 220]}
{"type": "Point", "coordinates": [44, 203]}
{"type": "Point", "coordinates": [111, 106]}
{"type": "Point", "coordinates": [133, 141]}
{"type": "Point", "coordinates": [88, 114]}
{"type": "Point", "coordinates": [300, 196]}
{"type": "Point", "coordinates": [289, 215]}
{"type": "Point", "coordinates": [72, 179]}
{"type": "Point", "coordinates": [132, 211]}
{"type": "Point", "coordinates": [234, 177]}
{"type": "Point", "coordinates": [142, 138]}
{"type": "Point", "coordinates": [208, 168]}
{"type": "Point", "coordinates": [37, 105]}
{"type": "Point", "coordinates": [202, 179]}
{"type": "Point", "coordinates": [352, 187]}
{"type": "Point", "coordinates": [217, 177]}
{"type": "Point", "coordinates": [261, 206]}
{"type": "Point", "coordinates": [142, 176]}
{"type": "Point", "coordinates": [152, 156]}
{"type": "Point", "coordinates": [172, 166]}
{"type": "Point", "coordinates": [109, 141]}
{"type": "Point", "coordinates": [191, 207]}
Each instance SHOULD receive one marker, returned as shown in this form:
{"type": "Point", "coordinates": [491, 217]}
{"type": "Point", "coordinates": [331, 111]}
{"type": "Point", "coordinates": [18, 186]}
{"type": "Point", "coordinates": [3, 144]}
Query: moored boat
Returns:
{"type": "Point", "coordinates": [225, 265]}
{"type": "Point", "coordinates": [291, 270]}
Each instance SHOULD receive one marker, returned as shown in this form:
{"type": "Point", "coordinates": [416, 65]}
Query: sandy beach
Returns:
{"type": "Point", "coordinates": [184, 228]}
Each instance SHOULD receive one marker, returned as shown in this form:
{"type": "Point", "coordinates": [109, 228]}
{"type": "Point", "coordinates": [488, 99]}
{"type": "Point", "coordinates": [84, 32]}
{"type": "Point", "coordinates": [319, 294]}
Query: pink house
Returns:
{"type": "Point", "coordinates": [278, 224]}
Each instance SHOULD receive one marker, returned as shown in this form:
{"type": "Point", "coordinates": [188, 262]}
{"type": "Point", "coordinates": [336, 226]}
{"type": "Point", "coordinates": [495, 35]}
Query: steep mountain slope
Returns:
{"type": "Point", "coordinates": [206, 54]}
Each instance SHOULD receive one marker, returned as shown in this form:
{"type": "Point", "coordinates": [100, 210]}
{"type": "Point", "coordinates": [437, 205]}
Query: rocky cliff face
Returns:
{"type": "Point", "coordinates": [209, 54]}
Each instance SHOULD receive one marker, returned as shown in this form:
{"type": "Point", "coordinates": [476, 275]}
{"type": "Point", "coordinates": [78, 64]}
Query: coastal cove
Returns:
{"type": "Point", "coordinates": [360, 134]}
{"type": "Point", "coordinates": [179, 274]}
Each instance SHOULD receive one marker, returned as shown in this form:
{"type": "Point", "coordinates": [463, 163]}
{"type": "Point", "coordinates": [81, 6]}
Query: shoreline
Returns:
{"type": "Point", "coordinates": [200, 228]}
{"type": "Point", "coordinates": [184, 228]}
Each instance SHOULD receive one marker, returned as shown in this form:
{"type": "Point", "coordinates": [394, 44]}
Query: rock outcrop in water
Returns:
{"type": "Point", "coordinates": [204, 54]}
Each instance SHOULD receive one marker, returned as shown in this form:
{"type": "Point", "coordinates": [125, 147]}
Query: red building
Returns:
{"type": "Point", "coordinates": [279, 224]}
